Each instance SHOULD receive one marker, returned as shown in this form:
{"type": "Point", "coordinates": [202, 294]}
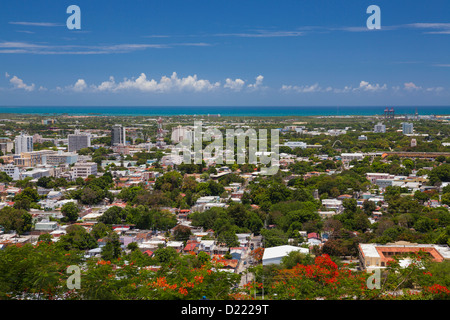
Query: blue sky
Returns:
{"type": "Point", "coordinates": [225, 52]}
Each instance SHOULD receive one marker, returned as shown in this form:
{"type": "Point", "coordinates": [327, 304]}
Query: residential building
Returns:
{"type": "Point", "coordinates": [84, 169]}
{"type": "Point", "coordinates": [6, 145]}
{"type": "Point", "coordinates": [374, 176]}
{"type": "Point", "coordinates": [11, 170]}
{"type": "Point", "coordinates": [347, 157]}
{"type": "Point", "coordinates": [379, 128]}
{"type": "Point", "coordinates": [78, 141]}
{"type": "Point", "coordinates": [333, 204]}
{"type": "Point", "coordinates": [407, 128]}
{"type": "Point", "coordinates": [32, 158]}
{"type": "Point", "coordinates": [23, 143]}
{"type": "Point", "coordinates": [46, 226]}
{"type": "Point", "coordinates": [118, 135]}
{"type": "Point", "coordinates": [180, 134]}
{"type": "Point", "coordinates": [60, 158]}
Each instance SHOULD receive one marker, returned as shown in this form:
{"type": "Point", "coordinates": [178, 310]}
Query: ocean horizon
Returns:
{"type": "Point", "coordinates": [237, 111]}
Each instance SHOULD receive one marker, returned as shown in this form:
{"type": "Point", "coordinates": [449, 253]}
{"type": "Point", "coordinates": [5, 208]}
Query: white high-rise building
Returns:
{"type": "Point", "coordinates": [407, 128]}
{"type": "Point", "coordinates": [23, 143]}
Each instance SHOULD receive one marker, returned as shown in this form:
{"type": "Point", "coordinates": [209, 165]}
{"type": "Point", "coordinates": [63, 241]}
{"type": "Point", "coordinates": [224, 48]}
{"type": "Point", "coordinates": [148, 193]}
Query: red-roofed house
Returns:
{"type": "Point", "coordinates": [148, 252]}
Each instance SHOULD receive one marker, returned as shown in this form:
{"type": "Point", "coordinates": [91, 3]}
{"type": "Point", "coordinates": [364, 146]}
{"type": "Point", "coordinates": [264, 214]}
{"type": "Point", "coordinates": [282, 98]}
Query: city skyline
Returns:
{"type": "Point", "coordinates": [225, 53]}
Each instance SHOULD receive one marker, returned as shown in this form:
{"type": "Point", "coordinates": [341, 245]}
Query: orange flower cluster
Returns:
{"type": "Point", "coordinates": [199, 279]}
{"type": "Point", "coordinates": [162, 283]}
{"type": "Point", "coordinates": [324, 269]}
{"type": "Point", "coordinates": [240, 296]}
{"type": "Point", "coordinates": [103, 262]}
{"type": "Point", "coordinates": [438, 289]}
{"type": "Point", "coordinates": [183, 291]}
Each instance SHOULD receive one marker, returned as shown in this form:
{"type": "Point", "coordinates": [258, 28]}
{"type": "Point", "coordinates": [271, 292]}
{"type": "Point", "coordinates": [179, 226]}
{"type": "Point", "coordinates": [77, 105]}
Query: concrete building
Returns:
{"type": "Point", "coordinates": [23, 143]}
{"type": "Point", "coordinates": [332, 204]}
{"type": "Point", "coordinates": [6, 145]}
{"type": "Point", "coordinates": [84, 169]}
{"type": "Point", "coordinates": [118, 135]}
{"type": "Point", "coordinates": [407, 128]}
{"type": "Point", "coordinates": [32, 158]}
{"type": "Point", "coordinates": [374, 176]}
{"type": "Point", "coordinates": [78, 141]}
{"type": "Point", "coordinates": [375, 256]}
{"type": "Point", "coordinates": [60, 158]}
{"type": "Point", "coordinates": [11, 170]}
{"type": "Point", "coordinates": [46, 226]}
{"type": "Point", "coordinates": [347, 157]}
{"type": "Point", "coordinates": [379, 128]}
{"type": "Point", "coordinates": [295, 144]}
{"type": "Point", "coordinates": [36, 173]}
{"type": "Point", "coordinates": [181, 134]}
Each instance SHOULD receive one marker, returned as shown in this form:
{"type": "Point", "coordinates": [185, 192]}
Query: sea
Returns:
{"type": "Point", "coordinates": [229, 111]}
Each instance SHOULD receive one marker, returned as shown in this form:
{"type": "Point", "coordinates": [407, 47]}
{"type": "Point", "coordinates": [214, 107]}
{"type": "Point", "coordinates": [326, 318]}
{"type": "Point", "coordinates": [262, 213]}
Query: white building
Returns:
{"type": "Point", "coordinates": [407, 128]}
{"type": "Point", "coordinates": [181, 134]}
{"type": "Point", "coordinates": [23, 143]}
{"type": "Point", "coordinates": [274, 255]}
{"type": "Point", "coordinates": [84, 169]}
{"type": "Point", "coordinates": [46, 226]}
{"type": "Point", "coordinates": [347, 157]}
{"type": "Point", "coordinates": [36, 173]}
{"type": "Point", "coordinates": [333, 204]}
{"type": "Point", "coordinates": [379, 128]}
{"type": "Point", "coordinates": [295, 144]}
{"type": "Point", "coordinates": [11, 170]}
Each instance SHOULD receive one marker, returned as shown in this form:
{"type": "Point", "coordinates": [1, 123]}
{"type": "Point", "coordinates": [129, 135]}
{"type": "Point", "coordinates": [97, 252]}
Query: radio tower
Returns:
{"type": "Point", "coordinates": [160, 133]}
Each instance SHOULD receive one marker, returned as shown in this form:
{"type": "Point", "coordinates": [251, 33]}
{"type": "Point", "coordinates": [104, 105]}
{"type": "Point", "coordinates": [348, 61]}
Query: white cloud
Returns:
{"type": "Point", "coordinates": [19, 84]}
{"type": "Point", "coordinates": [263, 34]}
{"type": "Point", "coordinates": [79, 86]}
{"type": "Point", "coordinates": [303, 89]}
{"type": "Point", "coordinates": [366, 86]}
{"type": "Point", "coordinates": [410, 86]}
{"type": "Point", "coordinates": [37, 24]}
{"type": "Point", "coordinates": [7, 75]}
{"type": "Point", "coordinates": [165, 84]}
{"type": "Point", "coordinates": [436, 89]}
{"type": "Point", "coordinates": [47, 49]}
{"type": "Point", "coordinates": [257, 84]}
{"type": "Point", "coordinates": [235, 85]}
{"type": "Point", "coordinates": [107, 85]}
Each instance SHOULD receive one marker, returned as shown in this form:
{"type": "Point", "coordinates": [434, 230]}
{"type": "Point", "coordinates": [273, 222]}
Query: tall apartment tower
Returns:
{"type": "Point", "coordinates": [23, 143]}
{"type": "Point", "coordinates": [118, 135]}
{"type": "Point", "coordinates": [78, 141]}
{"type": "Point", "coordinates": [407, 128]}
